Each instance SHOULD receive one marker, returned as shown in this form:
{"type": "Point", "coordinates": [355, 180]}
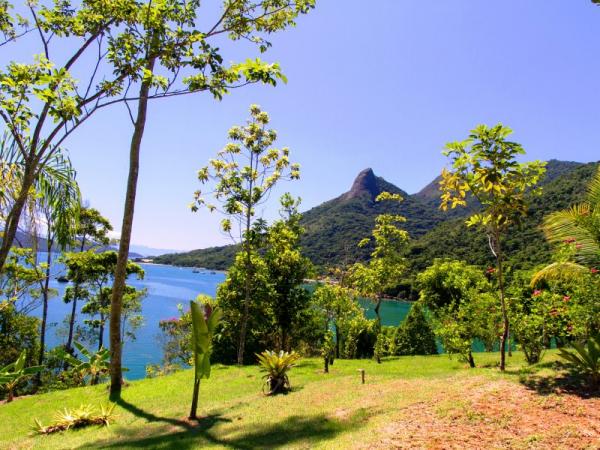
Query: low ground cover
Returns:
{"type": "Point", "coordinates": [406, 402]}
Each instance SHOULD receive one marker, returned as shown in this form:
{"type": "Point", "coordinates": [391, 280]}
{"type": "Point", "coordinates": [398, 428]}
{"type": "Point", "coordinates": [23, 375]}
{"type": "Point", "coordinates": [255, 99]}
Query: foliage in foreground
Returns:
{"type": "Point", "coordinates": [277, 365]}
{"type": "Point", "coordinates": [585, 359]}
{"type": "Point", "coordinates": [77, 418]}
{"type": "Point", "coordinates": [12, 374]}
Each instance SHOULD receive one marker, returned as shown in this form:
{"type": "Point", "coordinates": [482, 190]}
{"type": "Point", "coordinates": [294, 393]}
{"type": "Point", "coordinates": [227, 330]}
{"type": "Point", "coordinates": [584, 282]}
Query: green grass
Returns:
{"type": "Point", "coordinates": [323, 410]}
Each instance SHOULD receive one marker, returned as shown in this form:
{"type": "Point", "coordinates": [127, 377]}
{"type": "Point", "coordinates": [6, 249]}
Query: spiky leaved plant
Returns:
{"type": "Point", "coordinates": [277, 366]}
{"type": "Point", "coordinates": [205, 319]}
{"type": "Point", "coordinates": [76, 418]}
{"type": "Point", "coordinates": [12, 374]}
{"type": "Point", "coordinates": [585, 359]}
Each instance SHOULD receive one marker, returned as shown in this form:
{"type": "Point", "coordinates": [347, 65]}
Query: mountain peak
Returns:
{"type": "Point", "coordinates": [364, 183]}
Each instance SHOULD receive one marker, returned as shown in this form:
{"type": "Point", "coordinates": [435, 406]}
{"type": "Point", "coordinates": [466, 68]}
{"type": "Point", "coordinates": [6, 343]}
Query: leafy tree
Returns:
{"type": "Point", "coordinates": [19, 296]}
{"type": "Point", "coordinates": [244, 174]}
{"type": "Point", "coordinates": [484, 169]}
{"type": "Point", "coordinates": [93, 274]}
{"type": "Point", "coordinates": [387, 262]}
{"type": "Point", "coordinates": [457, 296]}
{"type": "Point", "coordinates": [287, 269]}
{"type": "Point", "coordinates": [12, 374]}
{"type": "Point", "coordinates": [92, 231]}
{"type": "Point", "coordinates": [205, 319]}
{"type": "Point", "coordinates": [339, 308]}
{"type": "Point", "coordinates": [415, 336]}
{"type": "Point", "coordinates": [166, 41]}
{"type": "Point", "coordinates": [232, 298]}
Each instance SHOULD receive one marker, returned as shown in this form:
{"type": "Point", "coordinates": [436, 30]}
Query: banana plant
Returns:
{"type": "Point", "coordinates": [12, 374]}
{"type": "Point", "coordinates": [585, 359]}
{"type": "Point", "coordinates": [205, 319]}
{"type": "Point", "coordinates": [95, 364]}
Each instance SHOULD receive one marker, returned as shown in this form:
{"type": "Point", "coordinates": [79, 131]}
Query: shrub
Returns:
{"type": "Point", "coordinates": [415, 336]}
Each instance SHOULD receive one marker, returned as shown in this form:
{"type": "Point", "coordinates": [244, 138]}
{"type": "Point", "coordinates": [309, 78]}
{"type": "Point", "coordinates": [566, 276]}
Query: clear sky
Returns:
{"type": "Point", "coordinates": [382, 84]}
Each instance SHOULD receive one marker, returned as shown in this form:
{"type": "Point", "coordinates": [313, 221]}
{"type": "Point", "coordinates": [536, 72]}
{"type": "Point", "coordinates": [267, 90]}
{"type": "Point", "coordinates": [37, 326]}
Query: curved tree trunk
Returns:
{"type": "Point", "coordinates": [14, 216]}
{"type": "Point", "coordinates": [116, 304]}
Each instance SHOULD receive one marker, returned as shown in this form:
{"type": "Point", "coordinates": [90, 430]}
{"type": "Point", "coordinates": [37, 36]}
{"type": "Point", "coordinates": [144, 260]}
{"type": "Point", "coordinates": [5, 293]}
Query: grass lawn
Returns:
{"type": "Point", "coordinates": [407, 402]}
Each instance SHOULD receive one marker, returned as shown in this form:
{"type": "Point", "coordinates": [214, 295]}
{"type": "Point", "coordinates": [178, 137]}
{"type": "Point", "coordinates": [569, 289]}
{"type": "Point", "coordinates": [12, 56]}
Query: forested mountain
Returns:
{"type": "Point", "coordinates": [334, 228]}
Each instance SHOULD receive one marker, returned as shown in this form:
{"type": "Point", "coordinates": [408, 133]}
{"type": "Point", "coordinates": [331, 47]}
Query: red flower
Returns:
{"type": "Point", "coordinates": [537, 292]}
{"type": "Point", "coordinates": [490, 270]}
{"type": "Point", "coordinates": [594, 270]}
{"type": "Point", "coordinates": [566, 298]}
{"type": "Point", "coordinates": [569, 240]}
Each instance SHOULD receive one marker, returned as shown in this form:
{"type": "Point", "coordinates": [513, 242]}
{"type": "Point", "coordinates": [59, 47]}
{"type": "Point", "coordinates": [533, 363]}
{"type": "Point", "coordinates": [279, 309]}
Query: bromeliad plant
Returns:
{"type": "Point", "coordinates": [205, 319]}
{"type": "Point", "coordinates": [12, 374]}
{"type": "Point", "coordinates": [277, 365]}
{"type": "Point", "coordinates": [585, 359]}
{"type": "Point", "coordinates": [77, 418]}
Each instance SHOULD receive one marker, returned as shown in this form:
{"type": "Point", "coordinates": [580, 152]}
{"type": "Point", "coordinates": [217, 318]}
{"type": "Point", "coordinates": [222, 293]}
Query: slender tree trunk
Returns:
{"type": "Point", "coordinates": [11, 395]}
{"type": "Point", "coordinates": [504, 337]}
{"type": "Point", "coordinates": [248, 280]}
{"type": "Point", "coordinates": [337, 342]}
{"type": "Point", "coordinates": [326, 364]}
{"type": "Point", "coordinates": [45, 298]}
{"type": "Point", "coordinates": [69, 344]}
{"type": "Point", "coordinates": [377, 307]}
{"type": "Point", "coordinates": [116, 304]}
{"type": "Point", "coordinates": [101, 334]}
{"type": "Point", "coordinates": [12, 221]}
{"type": "Point", "coordinates": [471, 360]}
{"type": "Point", "coordinates": [195, 395]}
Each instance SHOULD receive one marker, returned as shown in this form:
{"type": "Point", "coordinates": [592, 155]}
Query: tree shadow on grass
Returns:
{"type": "Point", "coordinates": [295, 429]}
{"type": "Point", "coordinates": [561, 381]}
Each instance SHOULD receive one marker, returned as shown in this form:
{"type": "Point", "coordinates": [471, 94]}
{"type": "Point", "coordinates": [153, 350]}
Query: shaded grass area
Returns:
{"type": "Point", "coordinates": [323, 410]}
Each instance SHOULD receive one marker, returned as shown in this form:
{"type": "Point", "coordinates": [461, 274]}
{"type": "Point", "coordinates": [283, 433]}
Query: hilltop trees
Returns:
{"type": "Point", "coordinates": [484, 169]}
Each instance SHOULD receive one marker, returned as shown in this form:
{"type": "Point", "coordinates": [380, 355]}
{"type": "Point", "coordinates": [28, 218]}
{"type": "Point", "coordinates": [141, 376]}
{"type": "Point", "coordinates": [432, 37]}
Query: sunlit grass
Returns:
{"type": "Point", "coordinates": [323, 410]}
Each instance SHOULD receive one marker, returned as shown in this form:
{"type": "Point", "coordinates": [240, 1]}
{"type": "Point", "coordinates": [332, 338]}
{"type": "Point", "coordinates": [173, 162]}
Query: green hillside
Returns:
{"type": "Point", "coordinates": [334, 228]}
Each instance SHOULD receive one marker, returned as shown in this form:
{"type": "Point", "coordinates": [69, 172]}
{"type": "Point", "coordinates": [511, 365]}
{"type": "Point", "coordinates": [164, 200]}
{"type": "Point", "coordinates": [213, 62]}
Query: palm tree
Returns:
{"type": "Point", "coordinates": [579, 226]}
{"type": "Point", "coordinates": [58, 205]}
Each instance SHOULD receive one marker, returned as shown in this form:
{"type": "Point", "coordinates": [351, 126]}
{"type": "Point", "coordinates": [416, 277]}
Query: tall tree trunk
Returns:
{"type": "Point", "coordinates": [45, 298]}
{"type": "Point", "coordinates": [248, 280]}
{"type": "Point", "coordinates": [14, 216]}
{"type": "Point", "coordinates": [116, 304]}
{"type": "Point", "coordinates": [504, 337]}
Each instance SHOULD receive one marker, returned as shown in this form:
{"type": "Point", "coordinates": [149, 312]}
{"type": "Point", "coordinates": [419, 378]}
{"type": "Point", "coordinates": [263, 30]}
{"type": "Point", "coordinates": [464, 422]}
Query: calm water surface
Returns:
{"type": "Point", "coordinates": [168, 287]}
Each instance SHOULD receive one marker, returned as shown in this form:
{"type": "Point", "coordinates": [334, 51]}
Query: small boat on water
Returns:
{"type": "Point", "coordinates": [198, 270]}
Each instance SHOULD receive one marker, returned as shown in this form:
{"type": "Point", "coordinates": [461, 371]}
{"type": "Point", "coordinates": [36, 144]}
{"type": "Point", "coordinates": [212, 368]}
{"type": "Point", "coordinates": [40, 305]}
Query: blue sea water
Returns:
{"type": "Point", "coordinates": [167, 287]}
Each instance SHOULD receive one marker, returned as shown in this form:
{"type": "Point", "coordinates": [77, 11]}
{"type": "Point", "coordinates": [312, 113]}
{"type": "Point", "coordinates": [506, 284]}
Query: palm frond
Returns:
{"type": "Point", "coordinates": [559, 271]}
{"type": "Point", "coordinates": [593, 194]}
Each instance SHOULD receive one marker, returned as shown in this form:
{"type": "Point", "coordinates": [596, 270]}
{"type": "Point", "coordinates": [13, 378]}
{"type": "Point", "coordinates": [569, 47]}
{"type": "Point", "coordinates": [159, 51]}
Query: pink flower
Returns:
{"type": "Point", "coordinates": [490, 270]}
{"type": "Point", "coordinates": [569, 240]}
{"type": "Point", "coordinates": [579, 246]}
{"type": "Point", "coordinates": [594, 270]}
{"type": "Point", "coordinates": [566, 298]}
{"type": "Point", "coordinates": [537, 292]}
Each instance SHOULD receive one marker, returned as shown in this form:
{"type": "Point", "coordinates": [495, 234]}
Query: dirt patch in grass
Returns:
{"type": "Point", "coordinates": [483, 413]}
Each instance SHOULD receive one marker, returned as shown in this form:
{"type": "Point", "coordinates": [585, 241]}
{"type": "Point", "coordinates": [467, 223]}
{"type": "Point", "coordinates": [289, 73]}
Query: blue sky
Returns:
{"type": "Point", "coordinates": [382, 84]}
